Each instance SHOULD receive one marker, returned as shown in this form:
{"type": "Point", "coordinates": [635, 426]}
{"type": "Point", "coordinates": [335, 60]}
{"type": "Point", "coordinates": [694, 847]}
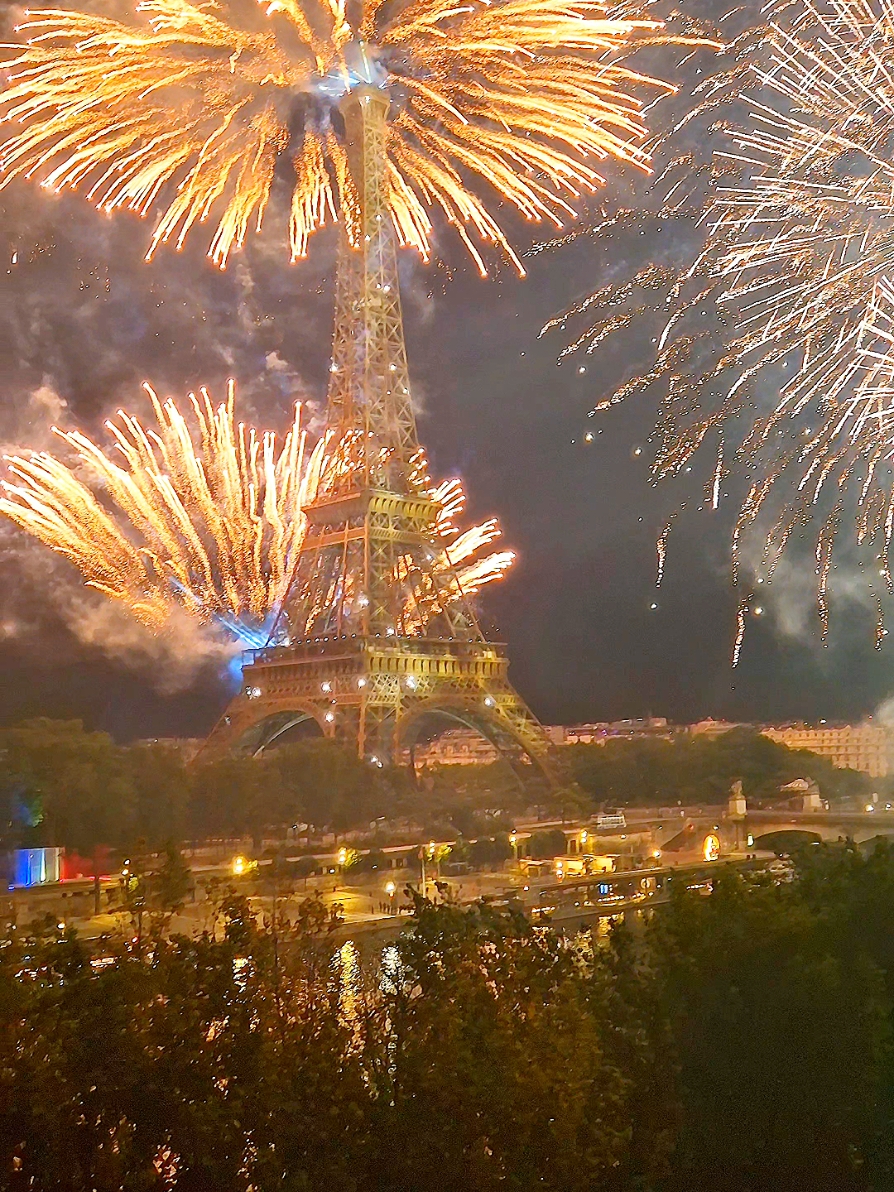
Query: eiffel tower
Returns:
{"type": "Point", "coordinates": [373, 642]}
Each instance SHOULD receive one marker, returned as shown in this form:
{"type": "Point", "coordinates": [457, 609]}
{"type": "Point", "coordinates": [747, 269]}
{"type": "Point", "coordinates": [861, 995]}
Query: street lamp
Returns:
{"type": "Point", "coordinates": [341, 858]}
{"type": "Point", "coordinates": [426, 851]}
{"type": "Point", "coordinates": [513, 840]}
{"type": "Point", "coordinates": [389, 890]}
{"type": "Point", "coordinates": [584, 837]}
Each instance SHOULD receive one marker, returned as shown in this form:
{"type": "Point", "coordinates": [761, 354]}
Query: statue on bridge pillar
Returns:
{"type": "Point", "coordinates": [736, 811]}
{"type": "Point", "coordinates": [803, 795]}
{"type": "Point", "coordinates": [737, 808]}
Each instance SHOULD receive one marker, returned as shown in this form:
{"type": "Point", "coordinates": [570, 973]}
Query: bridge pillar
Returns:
{"type": "Point", "coordinates": [736, 813]}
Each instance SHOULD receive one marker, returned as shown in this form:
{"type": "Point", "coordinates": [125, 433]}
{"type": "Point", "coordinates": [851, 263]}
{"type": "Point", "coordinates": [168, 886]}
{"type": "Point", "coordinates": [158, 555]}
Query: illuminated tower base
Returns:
{"type": "Point", "coordinates": [375, 644]}
{"type": "Point", "coordinates": [378, 696]}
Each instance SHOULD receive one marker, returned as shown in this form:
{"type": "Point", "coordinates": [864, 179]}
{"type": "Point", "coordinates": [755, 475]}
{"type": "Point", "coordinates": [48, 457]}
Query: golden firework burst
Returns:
{"type": "Point", "coordinates": [774, 349]}
{"type": "Point", "coordinates": [202, 513]}
{"type": "Point", "coordinates": [195, 106]}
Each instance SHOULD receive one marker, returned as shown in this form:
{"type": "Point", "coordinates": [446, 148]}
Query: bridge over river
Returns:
{"type": "Point", "coordinates": [742, 828]}
{"type": "Point", "coordinates": [766, 827]}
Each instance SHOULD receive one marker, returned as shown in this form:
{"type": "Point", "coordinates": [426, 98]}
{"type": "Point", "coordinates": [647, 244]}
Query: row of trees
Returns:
{"type": "Point", "coordinates": [62, 785]}
{"type": "Point", "coordinates": [701, 769]}
{"type": "Point", "coordinates": [741, 1041]}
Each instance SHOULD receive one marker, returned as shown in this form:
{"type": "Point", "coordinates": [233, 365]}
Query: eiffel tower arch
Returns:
{"type": "Point", "coordinates": [375, 633]}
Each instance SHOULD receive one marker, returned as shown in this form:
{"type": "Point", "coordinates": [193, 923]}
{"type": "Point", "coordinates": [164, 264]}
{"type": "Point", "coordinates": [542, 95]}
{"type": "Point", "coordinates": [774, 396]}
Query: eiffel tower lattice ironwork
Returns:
{"type": "Point", "coordinates": [373, 640]}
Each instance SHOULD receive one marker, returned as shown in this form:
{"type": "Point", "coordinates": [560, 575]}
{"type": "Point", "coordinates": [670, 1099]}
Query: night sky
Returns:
{"type": "Point", "coordinates": [83, 321]}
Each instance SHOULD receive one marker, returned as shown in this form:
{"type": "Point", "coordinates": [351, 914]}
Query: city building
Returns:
{"type": "Point", "coordinates": [456, 747]}
{"type": "Point", "coordinates": [462, 746]}
{"type": "Point", "coordinates": [712, 728]}
{"type": "Point", "coordinates": [601, 731]}
{"type": "Point", "coordinates": [866, 747]}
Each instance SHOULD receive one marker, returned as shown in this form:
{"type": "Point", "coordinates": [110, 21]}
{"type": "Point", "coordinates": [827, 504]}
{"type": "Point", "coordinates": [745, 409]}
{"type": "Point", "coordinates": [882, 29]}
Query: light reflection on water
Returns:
{"type": "Point", "coordinates": [348, 974]}
{"type": "Point", "coordinates": [346, 963]}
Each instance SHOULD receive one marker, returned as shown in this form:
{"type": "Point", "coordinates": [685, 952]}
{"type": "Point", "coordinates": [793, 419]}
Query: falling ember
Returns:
{"type": "Point", "coordinates": [880, 631]}
{"type": "Point", "coordinates": [661, 550]}
{"type": "Point", "coordinates": [718, 477]}
{"type": "Point", "coordinates": [202, 514]}
{"type": "Point", "coordinates": [780, 336]}
{"type": "Point", "coordinates": [741, 613]}
{"type": "Point", "coordinates": [189, 113]}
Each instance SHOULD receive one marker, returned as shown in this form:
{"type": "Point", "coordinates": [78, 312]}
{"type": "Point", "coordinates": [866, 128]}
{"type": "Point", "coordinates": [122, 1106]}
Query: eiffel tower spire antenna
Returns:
{"type": "Point", "coordinates": [373, 639]}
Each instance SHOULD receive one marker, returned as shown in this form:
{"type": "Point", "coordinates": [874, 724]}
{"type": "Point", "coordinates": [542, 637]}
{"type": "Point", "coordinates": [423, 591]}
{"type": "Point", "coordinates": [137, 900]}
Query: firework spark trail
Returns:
{"type": "Point", "coordinates": [207, 517]}
{"type": "Point", "coordinates": [779, 338]}
{"type": "Point", "coordinates": [189, 111]}
{"type": "Point", "coordinates": [661, 550]}
{"type": "Point", "coordinates": [203, 520]}
{"type": "Point", "coordinates": [741, 612]}
{"type": "Point", "coordinates": [717, 478]}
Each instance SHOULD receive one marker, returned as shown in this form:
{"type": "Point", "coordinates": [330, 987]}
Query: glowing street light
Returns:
{"type": "Point", "coordinates": [513, 840]}
{"type": "Point", "coordinates": [426, 852]}
{"type": "Point", "coordinates": [390, 889]}
{"type": "Point", "coordinates": [238, 866]}
{"type": "Point", "coordinates": [711, 847]}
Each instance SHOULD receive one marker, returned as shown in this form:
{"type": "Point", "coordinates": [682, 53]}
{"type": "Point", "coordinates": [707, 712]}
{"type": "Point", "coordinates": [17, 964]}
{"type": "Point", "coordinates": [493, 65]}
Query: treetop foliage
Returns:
{"type": "Point", "coordinates": [698, 769]}
{"type": "Point", "coordinates": [733, 1043]}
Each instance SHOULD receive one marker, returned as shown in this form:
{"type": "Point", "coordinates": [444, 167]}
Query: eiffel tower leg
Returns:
{"type": "Point", "coordinates": [374, 697]}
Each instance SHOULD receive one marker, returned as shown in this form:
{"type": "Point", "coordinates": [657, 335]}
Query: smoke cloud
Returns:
{"type": "Point", "coordinates": [84, 321]}
{"type": "Point", "coordinates": [171, 661]}
{"type": "Point", "coordinates": [48, 606]}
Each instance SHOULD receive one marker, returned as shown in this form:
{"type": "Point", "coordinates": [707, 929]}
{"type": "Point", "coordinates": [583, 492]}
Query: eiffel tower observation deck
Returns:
{"type": "Point", "coordinates": [373, 642]}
